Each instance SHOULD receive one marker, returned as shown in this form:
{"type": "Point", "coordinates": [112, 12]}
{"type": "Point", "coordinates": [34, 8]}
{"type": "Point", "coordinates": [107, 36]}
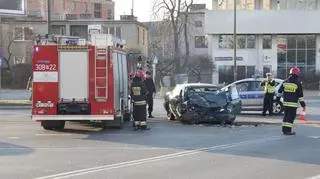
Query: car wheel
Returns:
{"type": "Point", "coordinates": [277, 107]}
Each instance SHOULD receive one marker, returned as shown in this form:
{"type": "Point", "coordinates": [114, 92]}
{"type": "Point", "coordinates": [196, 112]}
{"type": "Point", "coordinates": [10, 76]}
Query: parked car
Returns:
{"type": "Point", "coordinates": [252, 94]}
{"type": "Point", "coordinates": [199, 102]}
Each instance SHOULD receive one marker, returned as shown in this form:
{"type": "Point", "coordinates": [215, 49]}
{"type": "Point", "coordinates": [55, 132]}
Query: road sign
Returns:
{"type": "Point", "coordinates": [155, 59]}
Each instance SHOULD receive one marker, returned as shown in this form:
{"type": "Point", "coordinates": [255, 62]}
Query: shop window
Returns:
{"type": "Point", "coordinates": [311, 57]}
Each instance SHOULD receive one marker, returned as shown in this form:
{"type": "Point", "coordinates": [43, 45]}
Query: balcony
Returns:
{"type": "Point", "coordinates": [86, 16]}
{"type": "Point", "coordinates": [262, 22]}
{"type": "Point", "coordinates": [71, 16]}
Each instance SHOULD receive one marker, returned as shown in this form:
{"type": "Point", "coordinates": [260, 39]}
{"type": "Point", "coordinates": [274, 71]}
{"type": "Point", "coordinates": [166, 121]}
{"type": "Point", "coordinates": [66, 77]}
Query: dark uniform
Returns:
{"type": "Point", "coordinates": [269, 90]}
{"type": "Point", "coordinates": [151, 90]}
{"type": "Point", "coordinates": [292, 94]}
{"type": "Point", "coordinates": [138, 96]}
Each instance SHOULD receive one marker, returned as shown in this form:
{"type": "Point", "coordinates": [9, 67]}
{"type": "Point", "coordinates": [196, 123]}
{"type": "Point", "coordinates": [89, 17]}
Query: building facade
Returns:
{"type": "Point", "coordinates": [272, 36]}
{"type": "Point", "coordinates": [72, 9]}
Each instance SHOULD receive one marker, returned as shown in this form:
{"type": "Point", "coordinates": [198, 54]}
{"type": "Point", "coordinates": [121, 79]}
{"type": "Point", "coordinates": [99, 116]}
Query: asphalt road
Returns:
{"type": "Point", "coordinates": [168, 150]}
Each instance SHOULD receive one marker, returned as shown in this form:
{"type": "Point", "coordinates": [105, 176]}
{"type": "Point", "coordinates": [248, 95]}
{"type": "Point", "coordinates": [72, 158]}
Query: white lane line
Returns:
{"type": "Point", "coordinates": [13, 137]}
{"type": "Point", "coordinates": [157, 158]}
{"type": "Point", "coordinates": [88, 148]}
{"type": "Point", "coordinates": [314, 177]}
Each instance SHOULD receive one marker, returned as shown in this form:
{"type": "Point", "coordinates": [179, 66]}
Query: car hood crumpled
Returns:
{"type": "Point", "coordinates": [208, 99]}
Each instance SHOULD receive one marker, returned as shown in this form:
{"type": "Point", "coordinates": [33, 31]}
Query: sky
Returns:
{"type": "Point", "coordinates": [142, 8]}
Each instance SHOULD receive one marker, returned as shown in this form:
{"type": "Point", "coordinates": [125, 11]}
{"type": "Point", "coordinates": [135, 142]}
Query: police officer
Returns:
{"type": "Point", "coordinates": [138, 96]}
{"type": "Point", "coordinates": [151, 90]}
{"type": "Point", "coordinates": [269, 90]}
{"type": "Point", "coordinates": [292, 94]}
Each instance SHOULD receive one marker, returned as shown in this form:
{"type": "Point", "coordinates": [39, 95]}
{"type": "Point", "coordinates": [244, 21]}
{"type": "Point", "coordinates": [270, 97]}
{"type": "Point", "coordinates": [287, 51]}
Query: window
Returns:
{"type": "Point", "coordinates": [110, 14]}
{"type": "Point", "coordinates": [111, 31]}
{"type": "Point", "coordinates": [74, 6]}
{"type": "Point", "coordinates": [198, 23]}
{"type": "Point", "coordinates": [301, 51]}
{"type": "Point", "coordinates": [267, 42]}
{"type": "Point", "coordinates": [86, 7]}
{"type": "Point", "coordinates": [241, 5]}
{"type": "Point", "coordinates": [243, 86]}
{"type": "Point", "coordinates": [143, 37]}
{"type": "Point", "coordinates": [97, 10]}
{"type": "Point", "coordinates": [200, 42]}
{"type": "Point", "coordinates": [63, 4]}
{"type": "Point", "coordinates": [241, 41]}
{"type": "Point", "coordinates": [251, 41]}
{"type": "Point", "coordinates": [118, 32]}
{"type": "Point", "coordinates": [23, 33]}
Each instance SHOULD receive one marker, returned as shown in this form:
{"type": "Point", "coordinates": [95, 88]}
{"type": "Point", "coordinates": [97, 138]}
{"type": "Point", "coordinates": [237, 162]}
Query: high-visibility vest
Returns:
{"type": "Point", "coordinates": [268, 88]}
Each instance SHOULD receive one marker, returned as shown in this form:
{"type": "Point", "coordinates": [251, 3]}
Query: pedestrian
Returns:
{"type": "Point", "coordinates": [151, 91]}
{"type": "Point", "coordinates": [269, 90]}
{"type": "Point", "coordinates": [292, 94]}
{"type": "Point", "coordinates": [138, 96]}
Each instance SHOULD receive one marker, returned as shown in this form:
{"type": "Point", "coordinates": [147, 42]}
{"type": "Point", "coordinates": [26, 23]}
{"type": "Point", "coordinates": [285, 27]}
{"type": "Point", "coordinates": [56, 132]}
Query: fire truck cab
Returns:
{"type": "Point", "coordinates": [78, 81]}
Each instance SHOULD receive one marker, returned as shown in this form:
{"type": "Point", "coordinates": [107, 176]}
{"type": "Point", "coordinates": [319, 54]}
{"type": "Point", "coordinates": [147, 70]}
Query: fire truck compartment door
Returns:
{"type": "Point", "coordinates": [73, 75]}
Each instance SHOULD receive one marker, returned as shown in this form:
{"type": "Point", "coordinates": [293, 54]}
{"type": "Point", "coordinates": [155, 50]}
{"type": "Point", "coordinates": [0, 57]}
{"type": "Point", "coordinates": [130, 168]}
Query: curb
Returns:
{"type": "Point", "coordinates": [248, 122]}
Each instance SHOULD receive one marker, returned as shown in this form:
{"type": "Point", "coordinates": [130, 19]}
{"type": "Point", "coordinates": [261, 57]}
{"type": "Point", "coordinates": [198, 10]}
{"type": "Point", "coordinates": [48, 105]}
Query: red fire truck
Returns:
{"type": "Point", "coordinates": [77, 81]}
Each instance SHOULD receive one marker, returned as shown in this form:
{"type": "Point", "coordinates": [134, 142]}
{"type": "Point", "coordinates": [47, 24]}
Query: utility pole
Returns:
{"type": "Point", "coordinates": [49, 16]}
{"type": "Point", "coordinates": [235, 40]}
{"type": "Point", "coordinates": [132, 7]}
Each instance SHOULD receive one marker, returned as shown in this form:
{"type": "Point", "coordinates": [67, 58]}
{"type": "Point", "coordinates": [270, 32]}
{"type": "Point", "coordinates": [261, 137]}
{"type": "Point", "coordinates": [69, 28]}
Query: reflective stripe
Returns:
{"type": "Point", "coordinates": [140, 103]}
{"type": "Point", "coordinates": [290, 104]}
{"type": "Point", "coordinates": [301, 99]}
{"type": "Point", "coordinates": [136, 123]}
{"type": "Point", "coordinates": [143, 123]}
{"type": "Point", "coordinates": [290, 87]}
{"type": "Point", "coordinates": [287, 124]}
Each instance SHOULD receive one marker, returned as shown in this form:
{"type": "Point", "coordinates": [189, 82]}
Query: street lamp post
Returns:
{"type": "Point", "coordinates": [49, 16]}
{"type": "Point", "coordinates": [235, 40]}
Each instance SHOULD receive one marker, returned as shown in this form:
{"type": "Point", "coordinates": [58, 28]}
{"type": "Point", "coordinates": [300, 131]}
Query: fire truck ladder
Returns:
{"type": "Point", "coordinates": [101, 74]}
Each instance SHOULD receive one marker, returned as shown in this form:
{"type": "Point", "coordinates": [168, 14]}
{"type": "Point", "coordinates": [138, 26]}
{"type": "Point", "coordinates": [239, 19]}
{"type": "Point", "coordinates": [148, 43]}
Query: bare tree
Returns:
{"type": "Point", "coordinates": [173, 12]}
{"type": "Point", "coordinates": [200, 65]}
{"type": "Point", "coordinates": [185, 27]}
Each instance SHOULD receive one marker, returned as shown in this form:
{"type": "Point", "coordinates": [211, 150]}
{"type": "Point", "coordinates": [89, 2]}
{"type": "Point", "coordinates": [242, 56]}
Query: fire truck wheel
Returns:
{"type": "Point", "coordinates": [53, 125]}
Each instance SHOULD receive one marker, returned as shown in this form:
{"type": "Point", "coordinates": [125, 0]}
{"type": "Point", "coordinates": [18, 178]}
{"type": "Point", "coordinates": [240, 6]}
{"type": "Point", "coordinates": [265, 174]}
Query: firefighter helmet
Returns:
{"type": "Point", "coordinates": [295, 71]}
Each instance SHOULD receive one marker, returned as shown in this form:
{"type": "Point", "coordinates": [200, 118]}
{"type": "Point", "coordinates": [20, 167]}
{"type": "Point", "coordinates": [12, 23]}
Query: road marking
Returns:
{"type": "Point", "coordinates": [315, 137]}
{"type": "Point", "coordinates": [13, 137]}
{"type": "Point", "coordinates": [90, 148]}
{"type": "Point", "coordinates": [54, 134]}
{"type": "Point", "coordinates": [157, 158]}
{"type": "Point", "coordinates": [314, 177]}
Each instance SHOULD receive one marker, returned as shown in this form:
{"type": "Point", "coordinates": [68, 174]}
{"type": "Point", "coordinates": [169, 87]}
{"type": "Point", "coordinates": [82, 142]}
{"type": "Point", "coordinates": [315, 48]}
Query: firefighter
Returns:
{"type": "Point", "coordinates": [151, 90]}
{"type": "Point", "coordinates": [138, 96]}
{"type": "Point", "coordinates": [269, 90]}
{"type": "Point", "coordinates": [292, 94]}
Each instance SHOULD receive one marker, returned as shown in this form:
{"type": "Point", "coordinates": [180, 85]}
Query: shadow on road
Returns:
{"type": "Point", "coordinates": [8, 149]}
{"type": "Point", "coordinates": [185, 137]}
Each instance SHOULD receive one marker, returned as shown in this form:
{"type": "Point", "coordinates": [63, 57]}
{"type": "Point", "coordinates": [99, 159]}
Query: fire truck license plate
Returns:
{"type": "Point", "coordinates": [46, 67]}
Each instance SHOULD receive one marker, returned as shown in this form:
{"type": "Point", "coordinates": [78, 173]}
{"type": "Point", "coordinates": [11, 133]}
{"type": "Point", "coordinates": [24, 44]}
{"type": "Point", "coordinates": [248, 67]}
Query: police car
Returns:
{"type": "Point", "coordinates": [252, 94]}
